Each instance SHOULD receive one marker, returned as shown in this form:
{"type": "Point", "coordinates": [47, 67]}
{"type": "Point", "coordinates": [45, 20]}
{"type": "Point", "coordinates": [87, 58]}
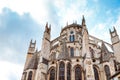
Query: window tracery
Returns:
{"type": "Point", "coordinates": [61, 71]}
{"type": "Point", "coordinates": [78, 73]}
{"type": "Point", "coordinates": [52, 74]}
{"type": "Point", "coordinates": [71, 37]}
{"type": "Point", "coordinates": [69, 71]}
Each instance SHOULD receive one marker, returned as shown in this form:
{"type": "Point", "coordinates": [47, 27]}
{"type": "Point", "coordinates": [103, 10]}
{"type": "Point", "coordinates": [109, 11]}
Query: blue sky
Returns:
{"type": "Point", "coordinates": [23, 20]}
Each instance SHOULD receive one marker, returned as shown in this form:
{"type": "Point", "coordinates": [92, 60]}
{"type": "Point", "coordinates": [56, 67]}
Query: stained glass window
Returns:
{"type": "Point", "coordinates": [52, 74]}
{"type": "Point", "coordinates": [61, 71]}
{"type": "Point", "coordinates": [71, 51]}
{"type": "Point", "coordinates": [96, 74]}
{"type": "Point", "coordinates": [78, 73]}
{"type": "Point", "coordinates": [71, 37]}
{"type": "Point", "coordinates": [68, 71]}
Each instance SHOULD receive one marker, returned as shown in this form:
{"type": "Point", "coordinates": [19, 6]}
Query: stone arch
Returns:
{"type": "Point", "coordinates": [61, 70]}
{"type": "Point", "coordinates": [78, 72]}
{"type": "Point", "coordinates": [107, 72]}
{"type": "Point", "coordinates": [51, 73]}
{"type": "Point", "coordinates": [96, 72]}
{"type": "Point", "coordinates": [30, 75]}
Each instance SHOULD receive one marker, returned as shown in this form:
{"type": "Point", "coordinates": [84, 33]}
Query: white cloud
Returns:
{"type": "Point", "coordinates": [37, 8]}
{"type": "Point", "coordinates": [10, 71]}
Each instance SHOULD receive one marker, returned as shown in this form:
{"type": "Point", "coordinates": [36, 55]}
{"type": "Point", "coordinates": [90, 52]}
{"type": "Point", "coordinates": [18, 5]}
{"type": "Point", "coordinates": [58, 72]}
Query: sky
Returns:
{"type": "Point", "coordinates": [23, 20]}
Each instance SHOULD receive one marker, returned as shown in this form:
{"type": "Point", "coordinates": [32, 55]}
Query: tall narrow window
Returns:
{"type": "Point", "coordinates": [96, 74]}
{"type": "Point", "coordinates": [68, 71]}
{"type": "Point", "coordinates": [78, 73]}
{"type": "Point", "coordinates": [71, 37]}
{"type": "Point", "coordinates": [71, 51]}
{"type": "Point", "coordinates": [107, 72]}
{"type": "Point", "coordinates": [52, 74]}
{"type": "Point", "coordinates": [61, 71]}
{"type": "Point", "coordinates": [30, 75]}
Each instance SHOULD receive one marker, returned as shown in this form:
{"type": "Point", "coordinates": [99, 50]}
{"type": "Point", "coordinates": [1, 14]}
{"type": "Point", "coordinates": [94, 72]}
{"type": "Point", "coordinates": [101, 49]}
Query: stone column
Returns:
{"type": "Point", "coordinates": [72, 72]}
{"type": "Point", "coordinates": [65, 71]}
{"type": "Point", "coordinates": [57, 70]}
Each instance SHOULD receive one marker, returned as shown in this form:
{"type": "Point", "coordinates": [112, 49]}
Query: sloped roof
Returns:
{"type": "Point", "coordinates": [106, 54]}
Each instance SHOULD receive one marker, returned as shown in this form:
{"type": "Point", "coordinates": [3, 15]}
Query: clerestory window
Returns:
{"type": "Point", "coordinates": [72, 52]}
{"type": "Point", "coordinates": [72, 37]}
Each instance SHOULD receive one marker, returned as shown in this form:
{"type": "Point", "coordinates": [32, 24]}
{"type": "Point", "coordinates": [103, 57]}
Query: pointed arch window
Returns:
{"type": "Point", "coordinates": [72, 52]}
{"type": "Point", "coordinates": [52, 74]}
{"type": "Point", "coordinates": [30, 75]}
{"type": "Point", "coordinates": [96, 74]}
{"type": "Point", "coordinates": [78, 73]}
{"type": "Point", "coordinates": [71, 37]}
{"type": "Point", "coordinates": [61, 71]}
{"type": "Point", "coordinates": [107, 72]}
{"type": "Point", "coordinates": [69, 71]}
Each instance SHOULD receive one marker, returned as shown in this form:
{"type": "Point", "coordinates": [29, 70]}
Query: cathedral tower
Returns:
{"type": "Point", "coordinates": [115, 43]}
{"type": "Point", "coordinates": [45, 49]}
{"type": "Point", "coordinates": [41, 72]}
{"type": "Point", "coordinates": [30, 52]}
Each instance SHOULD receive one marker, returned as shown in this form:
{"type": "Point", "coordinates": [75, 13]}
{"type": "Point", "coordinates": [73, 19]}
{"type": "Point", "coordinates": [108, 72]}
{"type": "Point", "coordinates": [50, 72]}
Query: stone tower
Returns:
{"type": "Point", "coordinates": [45, 49]}
{"type": "Point", "coordinates": [41, 72]}
{"type": "Point", "coordinates": [115, 43]}
{"type": "Point", "coordinates": [31, 51]}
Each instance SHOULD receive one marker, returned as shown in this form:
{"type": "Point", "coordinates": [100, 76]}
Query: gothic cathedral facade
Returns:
{"type": "Point", "coordinates": [74, 55]}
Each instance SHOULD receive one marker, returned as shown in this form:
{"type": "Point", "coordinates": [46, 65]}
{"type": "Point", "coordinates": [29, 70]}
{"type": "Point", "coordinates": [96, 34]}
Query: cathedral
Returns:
{"type": "Point", "coordinates": [74, 55]}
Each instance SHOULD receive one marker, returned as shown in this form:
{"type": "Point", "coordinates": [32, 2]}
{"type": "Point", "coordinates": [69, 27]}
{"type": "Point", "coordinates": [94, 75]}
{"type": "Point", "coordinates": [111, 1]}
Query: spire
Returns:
{"type": "Point", "coordinates": [114, 28]}
{"type": "Point", "coordinates": [83, 21]}
{"type": "Point", "coordinates": [49, 28]}
{"type": "Point", "coordinates": [46, 27]}
{"type": "Point", "coordinates": [110, 30]}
